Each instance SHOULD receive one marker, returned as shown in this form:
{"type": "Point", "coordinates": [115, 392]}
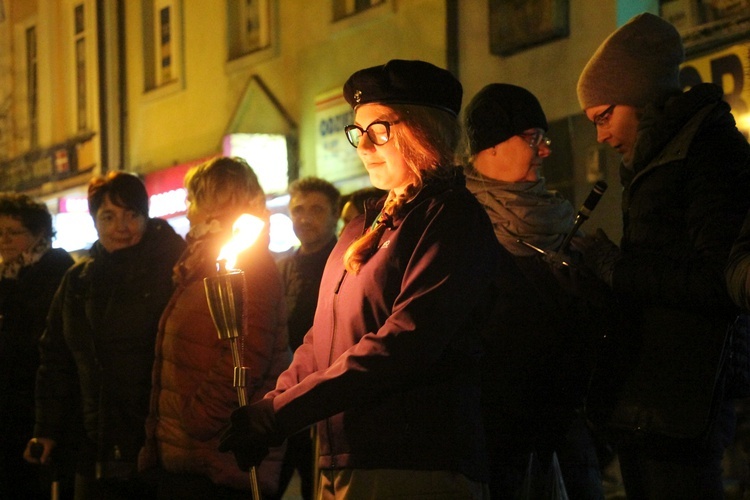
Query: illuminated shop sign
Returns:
{"type": "Point", "coordinates": [266, 154]}
{"type": "Point", "coordinates": [727, 68]}
{"type": "Point", "coordinates": [73, 225]}
{"type": "Point", "coordinates": [335, 158]}
{"type": "Point", "coordinates": [167, 197]}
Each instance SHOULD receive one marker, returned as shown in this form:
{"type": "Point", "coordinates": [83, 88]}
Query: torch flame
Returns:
{"type": "Point", "coordinates": [245, 231]}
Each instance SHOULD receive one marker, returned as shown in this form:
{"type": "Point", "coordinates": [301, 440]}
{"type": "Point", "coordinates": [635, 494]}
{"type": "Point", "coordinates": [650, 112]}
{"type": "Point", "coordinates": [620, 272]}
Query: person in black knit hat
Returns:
{"type": "Point", "coordinates": [389, 371]}
{"type": "Point", "coordinates": [541, 334]}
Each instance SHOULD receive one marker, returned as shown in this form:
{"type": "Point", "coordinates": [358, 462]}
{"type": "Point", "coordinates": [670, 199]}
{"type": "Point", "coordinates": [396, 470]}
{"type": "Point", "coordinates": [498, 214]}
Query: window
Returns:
{"type": "Point", "coordinates": [32, 87]}
{"type": "Point", "coordinates": [249, 26]}
{"type": "Point", "coordinates": [161, 42]}
{"type": "Point", "coordinates": [347, 8]}
{"type": "Point", "coordinates": [516, 26]}
{"type": "Point", "coordinates": [80, 55]}
{"type": "Point", "coordinates": [164, 49]}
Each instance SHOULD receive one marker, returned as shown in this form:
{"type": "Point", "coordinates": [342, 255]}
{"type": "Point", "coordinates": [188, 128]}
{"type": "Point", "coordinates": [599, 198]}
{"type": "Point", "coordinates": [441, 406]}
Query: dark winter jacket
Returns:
{"type": "Point", "coordinates": [684, 200]}
{"type": "Point", "coordinates": [390, 367]}
{"type": "Point", "coordinates": [24, 303]}
{"type": "Point", "coordinates": [98, 349]}
{"type": "Point", "coordinates": [193, 392]}
{"type": "Point", "coordinates": [301, 274]}
{"type": "Point", "coordinates": [738, 269]}
{"type": "Point", "coordinates": [541, 342]}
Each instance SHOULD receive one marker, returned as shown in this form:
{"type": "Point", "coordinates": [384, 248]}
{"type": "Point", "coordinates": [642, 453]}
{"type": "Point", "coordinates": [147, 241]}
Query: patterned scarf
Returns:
{"type": "Point", "coordinates": [523, 210]}
{"type": "Point", "coordinates": [29, 257]}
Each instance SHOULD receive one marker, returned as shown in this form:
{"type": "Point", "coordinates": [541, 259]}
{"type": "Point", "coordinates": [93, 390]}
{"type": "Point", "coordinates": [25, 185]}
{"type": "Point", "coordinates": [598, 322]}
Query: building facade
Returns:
{"type": "Point", "coordinates": [155, 86]}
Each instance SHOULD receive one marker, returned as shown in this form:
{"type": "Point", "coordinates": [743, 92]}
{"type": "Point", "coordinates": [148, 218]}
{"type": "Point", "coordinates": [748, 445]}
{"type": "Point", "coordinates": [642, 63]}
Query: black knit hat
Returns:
{"type": "Point", "coordinates": [405, 82]}
{"type": "Point", "coordinates": [498, 112]}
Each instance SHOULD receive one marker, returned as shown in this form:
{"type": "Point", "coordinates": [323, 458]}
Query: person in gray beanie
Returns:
{"type": "Point", "coordinates": [540, 335]}
{"type": "Point", "coordinates": [635, 65]}
{"type": "Point", "coordinates": [685, 173]}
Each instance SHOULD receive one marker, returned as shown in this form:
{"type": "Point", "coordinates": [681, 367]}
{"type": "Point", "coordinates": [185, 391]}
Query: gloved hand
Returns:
{"type": "Point", "coordinates": [600, 254]}
{"type": "Point", "coordinates": [247, 453]}
{"type": "Point", "coordinates": [251, 433]}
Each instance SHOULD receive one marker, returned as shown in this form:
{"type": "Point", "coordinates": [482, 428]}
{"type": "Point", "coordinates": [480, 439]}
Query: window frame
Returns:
{"type": "Point", "coordinates": [80, 58]}
{"type": "Point", "coordinates": [31, 42]}
{"type": "Point", "coordinates": [156, 76]}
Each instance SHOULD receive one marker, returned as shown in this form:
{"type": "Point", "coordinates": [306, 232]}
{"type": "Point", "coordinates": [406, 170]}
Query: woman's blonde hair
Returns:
{"type": "Point", "coordinates": [428, 140]}
{"type": "Point", "coordinates": [225, 187]}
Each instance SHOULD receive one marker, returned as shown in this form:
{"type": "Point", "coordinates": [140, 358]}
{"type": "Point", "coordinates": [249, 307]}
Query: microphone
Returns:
{"type": "Point", "coordinates": [584, 212]}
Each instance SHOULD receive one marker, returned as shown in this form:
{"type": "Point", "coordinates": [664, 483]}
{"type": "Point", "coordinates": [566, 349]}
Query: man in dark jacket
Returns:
{"type": "Point", "coordinates": [98, 349]}
{"type": "Point", "coordinates": [314, 208]}
{"type": "Point", "coordinates": [685, 173]}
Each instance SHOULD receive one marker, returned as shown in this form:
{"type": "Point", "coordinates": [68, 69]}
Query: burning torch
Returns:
{"type": "Point", "coordinates": [225, 295]}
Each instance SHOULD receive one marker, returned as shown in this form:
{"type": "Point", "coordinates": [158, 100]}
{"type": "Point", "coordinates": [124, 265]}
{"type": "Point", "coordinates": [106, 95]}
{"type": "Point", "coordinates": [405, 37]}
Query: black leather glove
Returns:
{"type": "Point", "coordinates": [600, 255]}
{"type": "Point", "coordinates": [251, 433]}
{"type": "Point", "coordinates": [247, 454]}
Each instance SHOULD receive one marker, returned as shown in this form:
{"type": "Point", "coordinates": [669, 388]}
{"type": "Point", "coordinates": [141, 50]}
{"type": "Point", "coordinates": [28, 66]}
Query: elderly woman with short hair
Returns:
{"type": "Point", "coordinates": [30, 272]}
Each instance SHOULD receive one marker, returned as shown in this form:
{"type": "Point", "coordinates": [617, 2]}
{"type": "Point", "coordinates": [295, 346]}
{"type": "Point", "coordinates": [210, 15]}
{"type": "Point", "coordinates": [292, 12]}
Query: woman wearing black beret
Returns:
{"type": "Point", "coordinates": [389, 370]}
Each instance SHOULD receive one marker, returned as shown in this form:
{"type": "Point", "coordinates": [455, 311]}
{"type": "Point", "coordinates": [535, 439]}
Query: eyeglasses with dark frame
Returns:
{"type": "Point", "coordinates": [379, 132]}
{"type": "Point", "coordinates": [602, 119]}
{"type": "Point", "coordinates": [536, 138]}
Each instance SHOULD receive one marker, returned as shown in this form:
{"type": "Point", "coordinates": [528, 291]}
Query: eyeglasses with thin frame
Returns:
{"type": "Point", "coordinates": [536, 138]}
{"type": "Point", "coordinates": [379, 132]}
{"type": "Point", "coordinates": [602, 119]}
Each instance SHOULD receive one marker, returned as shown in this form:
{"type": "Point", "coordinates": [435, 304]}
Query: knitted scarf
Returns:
{"type": "Point", "coordinates": [523, 210]}
{"type": "Point", "coordinates": [30, 256]}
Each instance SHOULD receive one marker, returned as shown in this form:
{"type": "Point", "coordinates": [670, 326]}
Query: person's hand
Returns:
{"type": "Point", "coordinates": [599, 253]}
{"type": "Point", "coordinates": [251, 433]}
{"type": "Point", "coordinates": [247, 453]}
{"type": "Point", "coordinates": [38, 450]}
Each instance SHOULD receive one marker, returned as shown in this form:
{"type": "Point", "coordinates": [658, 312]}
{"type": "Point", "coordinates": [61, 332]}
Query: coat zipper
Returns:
{"type": "Point", "coordinates": [330, 360]}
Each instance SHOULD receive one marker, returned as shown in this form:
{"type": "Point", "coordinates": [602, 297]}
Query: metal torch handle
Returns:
{"type": "Point", "coordinates": [240, 373]}
{"type": "Point", "coordinates": [240, 383]}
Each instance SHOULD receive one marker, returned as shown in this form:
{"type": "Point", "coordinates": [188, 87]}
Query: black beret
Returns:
{"type": "Point", "coordinates": [498, 112]}
{"type": "Point", "coordinates": [405, 82]}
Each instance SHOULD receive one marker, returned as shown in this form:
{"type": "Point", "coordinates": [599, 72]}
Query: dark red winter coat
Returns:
{"type": "Point", "coordinates": [193, 394]}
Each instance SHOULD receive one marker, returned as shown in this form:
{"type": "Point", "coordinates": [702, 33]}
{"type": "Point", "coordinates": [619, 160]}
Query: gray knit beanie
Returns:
{"type": "Point", "coordinates": [634, 66]}
{"type": "Point", "coordinates": [498, 112]}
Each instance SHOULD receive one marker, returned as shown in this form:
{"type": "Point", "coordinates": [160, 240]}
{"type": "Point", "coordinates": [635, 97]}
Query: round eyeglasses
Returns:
{"type": "Point", "coordinates": [536, 138]}
{"type": "Point", "coordinates": [379, 132]}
